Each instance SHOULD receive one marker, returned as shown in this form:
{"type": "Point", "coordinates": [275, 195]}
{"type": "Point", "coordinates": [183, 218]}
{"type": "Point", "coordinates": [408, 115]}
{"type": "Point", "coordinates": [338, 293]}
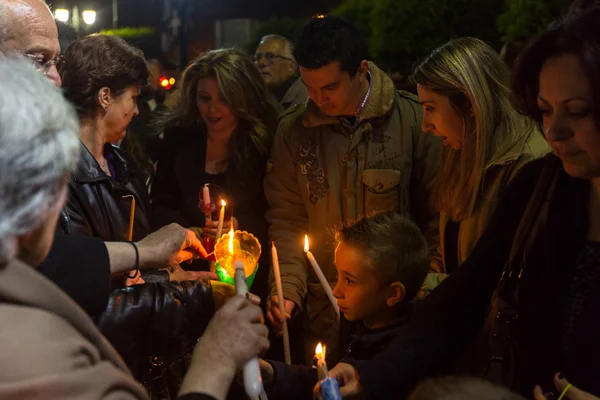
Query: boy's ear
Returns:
{"type": "Point", "coordinates": [397, 293]}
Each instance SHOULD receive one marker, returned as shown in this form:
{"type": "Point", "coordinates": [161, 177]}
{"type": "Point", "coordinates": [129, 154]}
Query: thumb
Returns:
{"type": "Point", "coordinates": [351, 389]}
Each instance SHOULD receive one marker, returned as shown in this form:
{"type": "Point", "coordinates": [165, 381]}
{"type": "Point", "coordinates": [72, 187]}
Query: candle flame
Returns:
{"type": "Point", "coordinates": [306, 245]}
{"type": "Point", "coordinates": [231, 234]}
{"type": "Point", "coordinates": [223, 203]}
{"type": "Point", "coordinates": [319, 351]}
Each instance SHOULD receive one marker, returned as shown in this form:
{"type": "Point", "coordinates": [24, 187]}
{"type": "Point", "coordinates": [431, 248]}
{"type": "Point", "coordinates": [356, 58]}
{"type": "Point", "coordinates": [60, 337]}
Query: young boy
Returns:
{"type": "Point", "coordinates": [381, 263]}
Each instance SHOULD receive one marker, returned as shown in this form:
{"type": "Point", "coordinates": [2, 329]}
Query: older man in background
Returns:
{"type": "Point", "coordinates": [278, 68]}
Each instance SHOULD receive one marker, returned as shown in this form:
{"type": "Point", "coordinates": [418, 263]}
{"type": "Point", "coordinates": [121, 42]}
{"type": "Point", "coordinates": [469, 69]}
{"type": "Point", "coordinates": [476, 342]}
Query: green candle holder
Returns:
{"type": "Point", "coordinates": [237, 246]}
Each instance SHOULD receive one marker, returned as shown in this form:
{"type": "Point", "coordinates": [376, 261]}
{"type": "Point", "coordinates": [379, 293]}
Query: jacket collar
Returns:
{"type": "Point", "coordinates": [21, 284]}
{"type": "Point", "coordinates": [88, 170]}
{"type": "Point", "coordinates": [533, 140]}
{"type": "Point", "coordinates": [378, 104]}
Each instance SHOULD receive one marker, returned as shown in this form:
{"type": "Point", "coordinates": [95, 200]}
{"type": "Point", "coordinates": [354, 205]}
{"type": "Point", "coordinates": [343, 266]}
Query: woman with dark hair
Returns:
{"type": "Point", "coordinates": [220, 133]}
{"type": "Point", "coordinates": [150, 322]}
{"type": "Point", "coordinates": [524, 308]}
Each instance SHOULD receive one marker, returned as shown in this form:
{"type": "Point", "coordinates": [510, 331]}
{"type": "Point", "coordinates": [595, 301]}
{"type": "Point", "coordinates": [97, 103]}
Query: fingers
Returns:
{"type": "Point", "coordinates": [193, 245]}
{"type": "Point", "coordinates": [538, 394]}
{"type": "Point", "coordinates": [572, 392]}
{"type": "Point", "coordinates": [254, 299]}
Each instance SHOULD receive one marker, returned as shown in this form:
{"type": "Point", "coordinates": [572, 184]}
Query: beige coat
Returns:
{"type": "Point", "coordinates": [498, 175]}
{"type": "Point", "coordinates": [322, 173]}
{"type": "Point", "coordinates": [50, 349]}
{"type": "Point", "coordinates": [296, 94]}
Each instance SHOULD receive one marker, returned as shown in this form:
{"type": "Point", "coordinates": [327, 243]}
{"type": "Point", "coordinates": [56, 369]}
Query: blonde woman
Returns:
{"type": "Point", "coordinates": [463, 87]}
{"type": "Point", "coordinates": [219, 132]}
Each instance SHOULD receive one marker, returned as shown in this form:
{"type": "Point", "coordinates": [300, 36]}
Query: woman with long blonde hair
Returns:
{"type": "Point", "coordinates": [463, 87]}
{"type": "Point", "coordinates": [219, 132]}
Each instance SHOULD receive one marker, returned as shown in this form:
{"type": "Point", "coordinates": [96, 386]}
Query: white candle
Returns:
{"type": "Point", "coordinates": [321, 277]}
{"type": "Point", "coordinates": [206, 196]}
{"type": "Point", "coordinates": [221, 220]}
{"type": "Point", "coordinates": [321, 363]}
{"type": "Point", "coordinates": [277, 273]}
{"type": "Point", "coordinates": [252, 379]}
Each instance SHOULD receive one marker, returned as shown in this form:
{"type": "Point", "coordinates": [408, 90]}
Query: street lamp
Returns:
{"type": "Point", "coordinates": [61, 14]}
{"type": "Point", "coordinates": [89, 16]}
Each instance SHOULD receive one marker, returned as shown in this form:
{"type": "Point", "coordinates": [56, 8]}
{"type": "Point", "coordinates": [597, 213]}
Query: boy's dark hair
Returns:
{"type": "Point", "coordinates": [324, 40]}
{"type": "Point", "coordinates": [461, 388]}
{"type": "Point", "coordinates": [395, 246]}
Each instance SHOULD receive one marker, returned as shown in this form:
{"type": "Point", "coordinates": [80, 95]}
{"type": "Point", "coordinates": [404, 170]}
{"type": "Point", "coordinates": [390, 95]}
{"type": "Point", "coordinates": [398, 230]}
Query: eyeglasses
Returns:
{"type": "Point", "coordinates": [270, 57]}
{"type": "Point", "coordinates": [44, 66]}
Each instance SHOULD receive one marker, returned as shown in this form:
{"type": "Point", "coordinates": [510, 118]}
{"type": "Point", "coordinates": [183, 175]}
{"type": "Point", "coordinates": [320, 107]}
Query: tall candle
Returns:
{"type": "Point", "coordinates": [277, 273]}
{"type": "Point", "coordinates": [221, 220]}
{"type": "Point", "coordinates": [321, 277]}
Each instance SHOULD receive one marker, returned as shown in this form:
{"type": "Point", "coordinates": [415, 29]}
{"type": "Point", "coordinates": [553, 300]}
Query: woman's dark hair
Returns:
{"type": "Point", "coordinates": [98, 61]}
{"type": "Point", "coordinates": [324, 40]}
{"type": "Point", "coordinates": [395, 246]}
{"type": "Point", "coordinates": [575, 35]}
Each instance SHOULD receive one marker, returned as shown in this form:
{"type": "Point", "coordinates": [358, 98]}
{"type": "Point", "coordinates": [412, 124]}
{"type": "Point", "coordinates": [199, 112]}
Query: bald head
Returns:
{"type": "Point", "coordinates": [27, 27]}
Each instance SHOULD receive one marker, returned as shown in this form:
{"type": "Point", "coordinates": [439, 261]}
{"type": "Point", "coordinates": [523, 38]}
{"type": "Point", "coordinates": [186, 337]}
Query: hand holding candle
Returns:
{"type": "Point", "coordinates": [321, 277]}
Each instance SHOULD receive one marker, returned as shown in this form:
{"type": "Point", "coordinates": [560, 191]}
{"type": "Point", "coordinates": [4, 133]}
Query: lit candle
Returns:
{"type": "Point", "coordinates": [221, 220]}
{"type": "Point", "coordinates": [329, 387]}
{"type": "Point", "coordinates": [321, 277]}
{"type": "Point", "coordinates": [321, 364]}
{"type": "Point", "coordinates": [277, 273]}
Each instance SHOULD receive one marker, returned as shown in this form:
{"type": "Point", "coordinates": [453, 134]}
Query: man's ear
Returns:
{"type": "Point", "coordinates": [397, 293]}
{"type": "Point", "coordinates": [104, 97]}
{"type": "Point", "coordinates": [362, 70]}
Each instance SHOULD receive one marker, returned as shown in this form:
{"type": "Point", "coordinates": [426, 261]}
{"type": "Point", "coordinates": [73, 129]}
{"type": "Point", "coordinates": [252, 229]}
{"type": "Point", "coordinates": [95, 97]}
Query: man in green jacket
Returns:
{"type": "Point", "coordinates": [354, 148]}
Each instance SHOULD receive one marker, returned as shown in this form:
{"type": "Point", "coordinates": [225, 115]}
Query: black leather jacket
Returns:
{"type": "Point", "coordinates": [99, 205]}
{"type": "Point", "coordinates": [155, 327]}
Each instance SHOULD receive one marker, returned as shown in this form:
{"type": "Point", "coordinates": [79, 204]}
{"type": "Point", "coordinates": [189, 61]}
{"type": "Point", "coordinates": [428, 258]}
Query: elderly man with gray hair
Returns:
{"type": "Point", "coordinates": [275, 61]}
{"type": "Point", "coordinates": [49, 348]}
{"type": "Point", "coordinates": [28, 28]}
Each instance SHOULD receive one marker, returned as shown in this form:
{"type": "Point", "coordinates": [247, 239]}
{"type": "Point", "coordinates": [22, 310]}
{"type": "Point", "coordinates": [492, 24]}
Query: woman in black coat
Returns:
{"type": "Point", "coordinates": [153, 325]}
{"type": "Point", "coordinates": [218, 133]}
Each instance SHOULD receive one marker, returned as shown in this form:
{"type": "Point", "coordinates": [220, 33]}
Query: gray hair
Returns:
{"type": "Point", "coordinates": [39, 146]}
{"type": "Point", "coordinates": [289, 45]}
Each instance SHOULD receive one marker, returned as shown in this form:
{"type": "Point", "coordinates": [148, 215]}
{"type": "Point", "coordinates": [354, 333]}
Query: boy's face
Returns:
{"type": "Point", "coordinates": [358, 291]}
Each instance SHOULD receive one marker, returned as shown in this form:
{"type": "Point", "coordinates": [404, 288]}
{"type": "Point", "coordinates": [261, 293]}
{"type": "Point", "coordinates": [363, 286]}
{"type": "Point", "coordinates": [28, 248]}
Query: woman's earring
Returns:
{"type": "Point", "coordinates": [106, 109]}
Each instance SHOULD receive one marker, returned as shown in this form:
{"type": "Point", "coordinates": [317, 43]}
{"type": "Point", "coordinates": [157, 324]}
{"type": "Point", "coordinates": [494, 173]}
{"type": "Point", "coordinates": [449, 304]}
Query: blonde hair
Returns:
{"type": "Point", "coordinates": [241, 88]}
{"type": "Point", "coordinates": [476, 81]}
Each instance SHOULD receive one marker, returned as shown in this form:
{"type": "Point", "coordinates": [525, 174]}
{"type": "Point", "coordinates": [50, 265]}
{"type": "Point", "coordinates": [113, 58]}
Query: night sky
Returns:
{"type": "Point", "coordinates": [147, 12]}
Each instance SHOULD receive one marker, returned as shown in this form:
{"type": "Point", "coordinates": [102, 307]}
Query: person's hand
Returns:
{"type": "Point", "coordinates": [233, 336]}
{"type": "Point", "coordinates": [266, 372]}
{"type": "Point", "coordinates": [348, 379]}
{"type": "Point", "coordinates": [136, 280]}
{"type": "Point", "coordinates": [169, 245]}
{"type": "Point", "coordinates": [274, 314]}
{"type": "Point", "coordinates": [230, 340]}
{"type": "Point", "coordinates": [210, 227]}
{"type": "Point", "coordinates": [197, 231]}
{"type": "Point", "coordinates": [560, 383]}
{"type": "Point", "coordinates": [178, 274]}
